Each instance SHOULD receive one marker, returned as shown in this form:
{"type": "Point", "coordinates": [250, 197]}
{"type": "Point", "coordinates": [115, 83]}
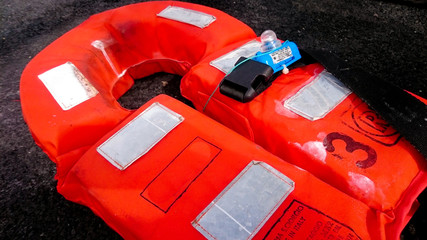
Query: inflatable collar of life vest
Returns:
{"type": "Point", "coordinates": [69, 90]}
{"type": "Point", "coordinates": [165, 170]}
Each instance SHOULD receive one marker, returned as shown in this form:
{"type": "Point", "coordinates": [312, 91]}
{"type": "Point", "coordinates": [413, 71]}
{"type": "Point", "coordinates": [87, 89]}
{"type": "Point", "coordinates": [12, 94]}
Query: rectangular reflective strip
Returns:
{"type": "Point", "coordinates": [195, 18]}
{"type": "Point", "coordinates": [68, 86]}
{"type": "Point", "coordinates": [226, 62]}
{"type": "Point", "coordinates": [246, 204]}
{"type": "Point", "coordinates": [138, 136]}
{"type": "Point", "coordinates": [318, 98]}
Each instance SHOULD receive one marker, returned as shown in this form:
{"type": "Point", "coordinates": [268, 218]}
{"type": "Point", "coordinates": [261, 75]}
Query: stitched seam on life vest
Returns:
{"type": "Point", "coordinates": [274, 208]}
{"type": "Point", "coordinates": [198, 175]}
{"type": "Point", "coordinates": [211, 206]}
{"type": "Point", "coordinates": [278, 203]}
{"type": "Point", "coordinates": [284, 180]}
{"type": "Point", "coordinates": [206, 231]}
{"type": "Point", "coordinates": [191, 182]}
{"type": "Point", "coordinates": [240, 176]}
{"type": "Point", "coordinates": [183, 15]}
{"type": "Point", "coordinates": [66, 79]}
{"type": "Point", "coordinates": [141, 115]}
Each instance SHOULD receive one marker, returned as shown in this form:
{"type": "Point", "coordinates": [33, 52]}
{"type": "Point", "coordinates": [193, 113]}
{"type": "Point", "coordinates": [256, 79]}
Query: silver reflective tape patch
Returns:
{"type": "Point", "coordinates": [246, 204]}
{"type": "Point", "coordinates": [138, 136]}
{"type": "Point", "coordinates": [226, 62]}
{"type": "Point", "coordinates": [68, 86]}
{"type": "Point", "coordinates": [195, 18]}
{"type": "Point", "coordinates": [318, 98]}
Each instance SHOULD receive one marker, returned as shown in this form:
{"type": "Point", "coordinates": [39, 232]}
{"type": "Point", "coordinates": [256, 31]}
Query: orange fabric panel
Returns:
{"type": "Point", "coordinates": [168, 185]}
{"type": "Point", "coordinates": [351, 148]}
{"type": "Point", "coordinates": [145, 202]}
{"type": "Point", "coordinates": [111, 49]}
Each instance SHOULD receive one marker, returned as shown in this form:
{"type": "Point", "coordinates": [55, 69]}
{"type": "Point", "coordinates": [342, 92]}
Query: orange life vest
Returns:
{"type": "Point", "coordinates": [307, 118]}
{"type": "Point", "coordinates": [165, 170]}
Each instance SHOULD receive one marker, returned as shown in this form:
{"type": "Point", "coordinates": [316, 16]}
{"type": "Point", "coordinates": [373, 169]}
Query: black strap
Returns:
{"type": "Point", "coordinates": [403, 111]}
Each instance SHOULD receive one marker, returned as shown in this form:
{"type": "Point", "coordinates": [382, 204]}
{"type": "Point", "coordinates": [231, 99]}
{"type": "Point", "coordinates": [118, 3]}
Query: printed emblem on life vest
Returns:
{"type": "Point", "coordinates": [367, 122]}
{"type": "Point", "coordinates": [300, 221]}
{"type": "Point", "coordinates": [350, 146]}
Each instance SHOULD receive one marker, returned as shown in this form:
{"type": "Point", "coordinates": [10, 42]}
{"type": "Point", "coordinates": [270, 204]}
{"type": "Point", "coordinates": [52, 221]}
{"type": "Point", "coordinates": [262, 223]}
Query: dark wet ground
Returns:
{"type": "Point", "coordinates": [386, 38]}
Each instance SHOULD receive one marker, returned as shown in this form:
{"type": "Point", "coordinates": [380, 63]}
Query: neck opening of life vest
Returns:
{"type": "Point", "coordinates": [167, 171]}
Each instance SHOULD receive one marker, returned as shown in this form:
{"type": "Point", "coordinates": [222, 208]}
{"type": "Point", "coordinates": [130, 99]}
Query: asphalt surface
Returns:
{"type": "Point", "coordinates": [386, 38]}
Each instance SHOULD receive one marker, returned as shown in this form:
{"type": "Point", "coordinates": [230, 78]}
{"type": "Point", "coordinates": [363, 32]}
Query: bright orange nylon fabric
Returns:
{"type": "Point", "coordinates": [121, 199]}
{"type": "Point", "coordinates": [383, 170]}
{"type": "Point", "coordinates": [137, 43]}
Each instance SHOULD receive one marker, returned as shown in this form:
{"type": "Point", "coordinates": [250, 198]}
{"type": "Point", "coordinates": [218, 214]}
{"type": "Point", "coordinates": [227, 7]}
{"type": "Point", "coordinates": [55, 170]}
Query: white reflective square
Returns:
{"type": "Point", "coordinates": [318, 98]}
{"type": "Point", "coordinates": [138, 136]}
{"type": "Point", "coordinates": [246, 204]}
{"type": "Point", "coordinates": [68, 86]}
{"type": "Point", "coordinates": [226, 62]}
{"type": "Point", "coordinates": [195, 18]}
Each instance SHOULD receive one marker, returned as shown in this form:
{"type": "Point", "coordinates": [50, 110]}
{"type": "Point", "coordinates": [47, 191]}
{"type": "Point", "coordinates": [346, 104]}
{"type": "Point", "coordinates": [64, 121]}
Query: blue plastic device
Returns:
{"type": "Point", "coordinates": [276, 54]}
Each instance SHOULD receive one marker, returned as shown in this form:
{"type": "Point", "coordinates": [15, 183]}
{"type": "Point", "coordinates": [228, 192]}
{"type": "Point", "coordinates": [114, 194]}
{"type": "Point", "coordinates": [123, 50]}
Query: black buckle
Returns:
{"type": "Point", "coordinates": [247, 81]}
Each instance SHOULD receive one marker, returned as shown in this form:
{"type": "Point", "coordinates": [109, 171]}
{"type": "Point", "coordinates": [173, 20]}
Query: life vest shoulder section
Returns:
{"type": "Point", "coordinates": [69, 90]}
